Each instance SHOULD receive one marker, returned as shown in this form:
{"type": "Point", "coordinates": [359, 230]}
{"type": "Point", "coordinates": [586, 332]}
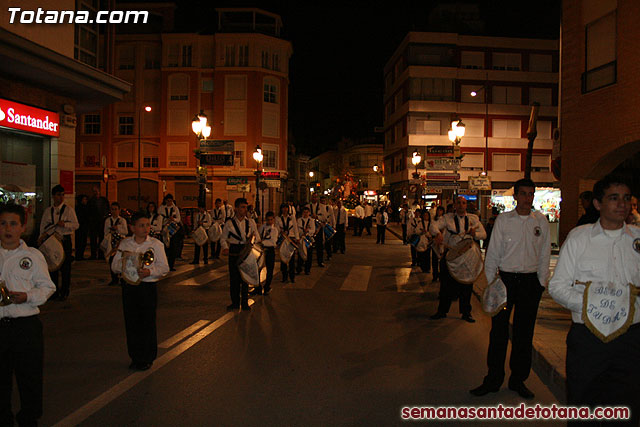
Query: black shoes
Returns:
{"type": "Point", "coordinates": [484, 389]}
{"type": "Point", "coordinates": [138, 366]}
{"type": "Point", "coordinates": [266, 292]}
{"type": "Point", "coordinates": [233, 307]}
{"type": "Point", "coordinates": [468, 318]}
{"type": "Point", "coordinates": [256, 291]}
{"type": "Point", "coordinates": [245, 307]}
{"type": "Point", "coordinates": [320, 265]}
{"type": "Point", "coordinates": [438, 316]}
{"type": "Point", "coordinates": [521, 389]}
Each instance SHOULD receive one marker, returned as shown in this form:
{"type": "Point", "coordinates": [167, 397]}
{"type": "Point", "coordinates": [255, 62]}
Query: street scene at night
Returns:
{"type": "Point", "coordinates": [273, 213]}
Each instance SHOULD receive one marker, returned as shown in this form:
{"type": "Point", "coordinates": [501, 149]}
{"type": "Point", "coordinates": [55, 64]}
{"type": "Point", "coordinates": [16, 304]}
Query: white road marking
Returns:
{"type": "Point", "coordinates": [402, 277]}
{"type": "Point", "coordinates": [358, 278]}
{"type": "Point", "coordinates": [125, 385]}
{"type": "Point", "coordinates": [183, 334]}
{"type": "Point", "coordinates": [205, 278]}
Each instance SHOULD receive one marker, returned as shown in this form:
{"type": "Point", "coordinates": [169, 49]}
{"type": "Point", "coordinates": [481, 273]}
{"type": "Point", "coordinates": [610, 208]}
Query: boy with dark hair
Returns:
{"type": "Point", "coordinates": [115, 225]}
{"type": "Point", "coordinates": [26, 276]}
{"type": "Point", "coordinates": [306, 228]}
{"type": "Point", "coordinates": [269, 237]}
{"type": "Point", "coordinates": [139, 302]}
{"type": "Point", "coordinates": [60, 219]}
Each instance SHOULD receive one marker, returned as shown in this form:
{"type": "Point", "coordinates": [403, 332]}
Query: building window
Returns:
{"type": "Point", "coordinates": [427, 127]}
{"type": "Point", "coordinates": [178, 154]}
{"type": "Point", "coordinates": [243, 56]}
{"type": "Point", "coordinates": [540, 63]}
{"type": "Point", "coordinates": [506, 129]}
{"type": "Point", "coordinates": [152, 57]}
{"type": "Point", "coordinates": [125, 155]}
{"type": "Point", "coordinates": [507, 61]}
{"type": "Point", "coordinates": [207, 85]}
{"type": "Point", "coordinates": [92, 124]}
{"type": "Point", "coordinates": [173, 55]}
{"type": "Point", "coordinates": [473, 162]}
{"type": "Point", "coordinates": [600, 52]}
{"type": "Point", "coordinates": [506, 95]}
{"type": "Point", "coordinates": [270, 93]}
{"type": "Point", "coordinates": [540, 163]}
{"type": "Point", "coordinates": [186, 56]}
{"type": "Point", "coordinates": [150, 162]}
{"type": "Point", "coordinates": [179, 87]}
{"type": "Point", "coordinates": [126, 57]}
{"type": "Point", "coordinates": [541, 95]}
{"type": "Point", "coordinates": [506, 162]}
{"type": "Point", "coordinates": [473, 60]}
{"type": "Point", "coordinates": [276, 62]}
{"type": "Point", "coordinates": [91, 154]}
{"type": "Point", "coordinates": [265, 60]}
{"type": "Point", "coordinates": [230, 56]}
{"type": "Point", "coordinates": [474, 127]}
{"type": "Point", "coordinates": [86, 35]}
{"type": "Point", "coordinates": [270, 159]}
{"type": "Point", "coordinates": [429, 89]}
{"type": "Point", "coordinates": [125, 125]}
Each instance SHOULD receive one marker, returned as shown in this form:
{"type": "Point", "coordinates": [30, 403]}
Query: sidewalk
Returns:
{"type": "Point", "coordinates": [552, 326]}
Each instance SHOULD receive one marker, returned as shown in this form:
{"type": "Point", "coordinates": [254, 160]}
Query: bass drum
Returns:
{"type": "Point", "coordinates": [53, 252]}
{"type": "Point", "coordinates": [303, 247]}
{"type": "Point", "coordinates": [215, 231]}
{"type": "Point", "coordinates": [465, 261]}
{"type": "Point", "coordinates": [250, 264]}
{"type": "Point", "coordinates": [200, 236]}
{"type": "Point", "coordinates": [286, 251]}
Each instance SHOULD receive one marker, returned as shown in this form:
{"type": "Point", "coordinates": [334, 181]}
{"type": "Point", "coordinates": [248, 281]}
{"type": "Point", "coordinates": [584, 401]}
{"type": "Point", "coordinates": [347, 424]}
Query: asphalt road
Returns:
{"type": "Point", "coordinates": [351, 344]}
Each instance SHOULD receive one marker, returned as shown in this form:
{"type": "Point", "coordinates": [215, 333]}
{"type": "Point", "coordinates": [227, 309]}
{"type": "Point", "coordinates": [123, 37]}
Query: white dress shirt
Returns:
{"type": "Point", "coordinates": [382, 218]}
{"type": "Point", "coordinates": [218, 215]}
{"type": "Point", "coordinates": [169, 212]}
{"type": "Point", "coordinates": [158, 268]}
{"type": "Point", "coordinates": [323, 213]}
{"type": "Point", "coordinates": [119, 223]}
{"type": "Point", "coordinates": [420, 226]}
{"type": "Point", "coordinates": [519, 244]}
{"type": "Point", "coordinates": [24, 269]}
{"type": "Point", "coordinates": [306, 226]}
{"type": "Point", "coordinates": [247, 228]}
{"type": "Point", "coordinates": [341, 216]}
{"type": "Point", "coordinates": [156, 223]}
{"type": "Point", "coordinates": [288, 225]}
{"type": "Point", "coordinates": [360, 212]}
{"type": "Point", "coordinates": [405, 216]}
{"type": "Point", "coordinates": [292, 211]}
{"type": "Point", "coordinates": [591, 254]}
{"type": "Point", "coordinates": [269, 235]}
{"type": "Point", "coordinates": [52, 215]}
{"type": "Point", "coordinates": [229, 212]}
{"type": "Point", "coordinates": [368, 211]}
{"type": "Point", "coordinates": [452, 234]}
{"type": "Point", "coordinates": [204, 217]}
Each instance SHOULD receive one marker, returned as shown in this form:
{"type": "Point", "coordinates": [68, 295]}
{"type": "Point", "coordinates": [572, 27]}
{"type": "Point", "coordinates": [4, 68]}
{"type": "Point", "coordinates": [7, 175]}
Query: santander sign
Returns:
{"type": "Point", "coordinates": [30, 119]}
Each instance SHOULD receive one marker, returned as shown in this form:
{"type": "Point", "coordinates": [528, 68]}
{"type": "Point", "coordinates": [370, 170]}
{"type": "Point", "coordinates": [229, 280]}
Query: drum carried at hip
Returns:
{"type": "Point", "coordinates": [250, 263]}
{"type": "Point", "coordinates": [464, 261]}
{"type": "Point", "coordinates": [169, 231]}
{"type": "Point", "coordinates": [53, 252]}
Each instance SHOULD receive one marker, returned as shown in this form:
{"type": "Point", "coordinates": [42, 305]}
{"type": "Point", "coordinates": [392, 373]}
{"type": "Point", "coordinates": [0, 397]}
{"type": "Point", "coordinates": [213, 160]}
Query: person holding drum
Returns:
{"type": "Point", "coordinates": [60, 219]}
{"type": "Point", "coordinates": [519, 253]}
{"type": "Point", "coordinates": [171, 215]}
{"type": "Point", "coordinates": [459, 226]}
{"type": "Point", "coordinates": [288, 228]}
{"type": "Point", "coordinates": [201, 219]}
{"type": "Point", "coordinates": [436, 250]}
{"type": "Point", "coordinates": [342, 222]}
{"type": "Point", "coordinates": [405, 218]}
{"type": "Point", "coordinates": [115, 227]}
{"type": "Point", "coordinates": [323, 215]}
{"type": "Point", "coordinates": [218, 216]}
{"type": "Point", "coordinates": [28, 285]}
{"type": "Point", "coordinates": [422, 231]}
{"type": "Point", "coordinates": [238, 232]}
{"type": "Point", "coordinates": [269, 236]}
{"type": "Point", "coordinates": [307, 229]}
{"type": "Point", "coordinates": [382, 219]}
{"type": "Point", "coordinates": [598, 266]}
{"type": "Point", "coordinates": [139, 302]}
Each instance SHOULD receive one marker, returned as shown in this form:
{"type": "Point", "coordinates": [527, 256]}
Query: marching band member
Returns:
{"type": "Point", "coordinates": [115, 224]}
{"type": "Point", "coordinates": [237, 232]}
{"type": "Point", "coordinates": [423, 226]}
{"type": "Point", "coordinates": [382, 219]}
{"type": "Point", "coordinates": [306, 227]}
{"type": "Point", "coordinates": [342, 221]}
{"type": "Point", "coordinates": [201, 219]}
{"type": "Point", "coordinates": [519, 252]}
{"type": "Point", "coordinates": [171, 214]}
{"type": "Point", "coordinates": [405, 217]}
{"type": "Point", "coordinates": [457, 224]}
{"type": "Point", "coordinates": [328, 218]}
{"type": "Point", "coordinates": [269, 236]}
{"type": "Point", "coordinates": [359, 224]}
{"type": "Point", "coordinates": [155, 219]}
{"type": "Point", "coordinates": [436, 249]}
{"type": "Point", "coordinates": [139, 302]}
{"type": "Point", "coordinates": [368, 217]}
{"type": "Point", "coordinates": [218, 215]}
{"type": "Point", "coordinates": [61, 219]}
{"type": "Point", "coordinates": [29, 285]}
{"type": "Point", "coordinates": [605, 255]}
{"type": "Point", "coordinates": [292, 209]}
{"type": "Point", "coordinates": [413, 224]}
{"type": "Point", "coordinates": [322, 213]}
{"type": "Point", "coordinates": [228, 210]}
{"type": "Point", "coordinates": [289, 228]}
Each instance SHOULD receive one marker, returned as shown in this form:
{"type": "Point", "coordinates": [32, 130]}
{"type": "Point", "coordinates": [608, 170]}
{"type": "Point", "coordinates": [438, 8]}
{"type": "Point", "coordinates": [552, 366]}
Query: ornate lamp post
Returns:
{"type": "Point", "coordinates": [258, 157]}
{"type": "Point", "coordinates": [202, 130]}
{"type": "Point", "coordinates": [416, 158]}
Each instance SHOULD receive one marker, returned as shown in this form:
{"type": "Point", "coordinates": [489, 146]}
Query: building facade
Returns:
{"type": "Point", "coordinates": [237, 76]}
{"type": "Point", "coordinates": [489, 83]}
{"type": "Point", "coordinates": [298, 179]}
{"type": "Point", "coordinates": [599, 127]}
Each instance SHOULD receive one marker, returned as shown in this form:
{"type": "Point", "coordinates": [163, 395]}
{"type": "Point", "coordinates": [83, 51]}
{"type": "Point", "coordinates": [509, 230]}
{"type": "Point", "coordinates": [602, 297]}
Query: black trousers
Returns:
{"type": "Point", "coordinates": [339, 239]}
{"type": "Point", "coordinates": [139, 304]}
{"type": "Point", "coordinates": [172, 251]}
{"type": "Point", "coordinates": [450, 289]}
{"type": "Point", "coordinates": [523, 297]}
{"type": "Point", "coordinates": [205, 249]}
{"type": "Point", "coordinates": [215, 249]}
{"type": "Point", "coordinates": [63, 288]}
{"type": "Point", "coordinates": [114, 276]}
{"type": "Point", "coordinates": [269, 262]}
{"type": "Point", "coordinates": [238, 288]}
{"type": "Point", "coordinates": [328, 244]}
{"type": "Point", "coordinates": [319, 245]}
{"type": "Point", "coordinates": [423, 260]}
{"type": "Point", "coordinates": [81, 242]}
{"type": "Point", "coordinates": [414, 256]}
{"type": "Point", "coordinates": [368, 222]}
{"type": "Point", "coordinates": [404, 233]}
{"type": "Point", "coordinates": [289, 269]}
{"type": "Point", "coordinates": [435, 261]}
{"type": "Point", "coordinates": [21, 353]}
{"type": "Point", "coordinates": [604, 374]}
{"type": "Point", "coordinates": [358, 225]}
{"type": "Point", "coordinates": [381, 229]}
{"type": "Point", "coordinates": [95, 237]}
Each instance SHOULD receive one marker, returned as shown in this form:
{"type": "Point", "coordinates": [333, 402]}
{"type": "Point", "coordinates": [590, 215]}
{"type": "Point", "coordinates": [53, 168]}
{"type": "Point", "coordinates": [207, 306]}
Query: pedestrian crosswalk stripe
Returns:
{"type": "Point", "coordinates": [204, 278]}
{"type": "Point", "coordinates": [358, 278]}
{"type": "Point", "coordinates": [183, 334]}
{"type": "Point", "coordinates": [408, 280]}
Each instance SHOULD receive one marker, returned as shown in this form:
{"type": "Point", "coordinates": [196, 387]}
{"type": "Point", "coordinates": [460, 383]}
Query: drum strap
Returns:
{"type": "Point", "coordinates": [466, 223]}
{"type": "Point", "coordinates": [305, 225]}
{"type": "Point", "coordinates": [117, 221]}
{"type": "Point", "coordinates": [53, 221]}
{"type": "Point", "coordinates": [266, 233]}
{"type": "Point", "coordinates": [238, 236]}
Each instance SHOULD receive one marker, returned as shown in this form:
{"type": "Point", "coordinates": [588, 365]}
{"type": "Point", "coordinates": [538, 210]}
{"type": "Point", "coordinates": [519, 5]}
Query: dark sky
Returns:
{"type": "Point", "coordinates": [340, 48]}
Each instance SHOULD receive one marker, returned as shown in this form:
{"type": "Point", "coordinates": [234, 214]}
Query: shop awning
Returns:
{"type": "Point", "coordinates": [28, 62]}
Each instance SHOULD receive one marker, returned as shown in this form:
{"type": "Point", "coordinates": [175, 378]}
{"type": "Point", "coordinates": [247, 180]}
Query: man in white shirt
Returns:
{"type": "Point", "coordinates": [171, 214]}
{"type": "Point", "coordinates": [368, 217]}
{"type": "Point", "coordinates": [201, 219]}
{"type": "Point", "coordinates": [457, 225]}
{"type": "Point", "coordinates": [219, 216]}
{"type": "Point", "coordinates": [405, 217]}
{"type": "Point", "coordinates": [306, 227]}
{"type": "Point", "coordinates": [228, 209]}
{"type": "Point", "coordinates": [519, 252]}
{"type": "Point", "coordinates": [60, 219]}
{"type": "Point", "coordinates": [324, 214]}
{"type": "Point", "coordinates": [288, 227]}
{"type": "Point", "coordinates": [604, 255]}
{"type": "Point", "coordinates": [342, 221]}
{"type": "Point", "coordinates": [269, 237]}
{"type": "Point", "coordinates": [238, 232]}
{"type": "Point", "coordinates": [359, 224]}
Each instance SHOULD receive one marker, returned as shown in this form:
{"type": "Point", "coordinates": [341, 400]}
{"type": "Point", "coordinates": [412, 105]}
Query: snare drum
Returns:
{"type": "Point", "coordinates": [53, 252]}
{"type": "Point", "coordinates": [329, 231]}
{"type": "Point", "coordinates": [414, 239]}
{"type": "Point", "coordinates": [464, 261]}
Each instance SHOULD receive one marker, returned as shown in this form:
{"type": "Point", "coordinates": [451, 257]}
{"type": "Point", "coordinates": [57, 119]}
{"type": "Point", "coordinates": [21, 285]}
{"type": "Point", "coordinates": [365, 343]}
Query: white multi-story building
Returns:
{"type": "Point", "coordinates": [429, 82]}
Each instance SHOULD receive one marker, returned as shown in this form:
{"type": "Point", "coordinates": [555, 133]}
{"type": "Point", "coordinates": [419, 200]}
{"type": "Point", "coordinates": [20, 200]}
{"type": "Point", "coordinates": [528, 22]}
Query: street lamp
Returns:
{"type": "Point", "coordinates": [258, 157]}
{"type": "Point", "coordinates": [416, 158]}
{"type": "Point", "coordinates": [202, 130]}
{"type": "Point", "coordinates": [376, 168]}
{"type": "Point", "coordinates": [147, 108]}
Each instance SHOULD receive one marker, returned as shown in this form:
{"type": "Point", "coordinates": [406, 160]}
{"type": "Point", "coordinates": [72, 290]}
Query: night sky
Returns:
{"type": "Point", "coordinates": [340, 48]}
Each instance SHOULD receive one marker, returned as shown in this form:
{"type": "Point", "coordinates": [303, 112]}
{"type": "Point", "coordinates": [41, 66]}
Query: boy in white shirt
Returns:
{"type": "Point", "coordinates": [113, 225]}
{"type": "Point", "coordinates": [269, 237]}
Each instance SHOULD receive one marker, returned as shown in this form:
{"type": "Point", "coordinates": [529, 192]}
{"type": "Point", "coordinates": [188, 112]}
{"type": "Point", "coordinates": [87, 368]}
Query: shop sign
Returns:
{"type": "Point", "coordinates": [23, 117]}
{"type": "Point", "coordinates": [234, 180]}
{"type": "Point", "coordinates": [443, 176]}
{"type": "Point", "coordinates": [433, 190]}
{"type": "Point", "coordinates": [220, 146]}
{"type": "Point", "coordinates": [272, 175]}
{"type": "Point", "coordinates": [272, 183]}
{"type": "Point", "coordinates": [479, 183]}
{"type": "Point", "coordinates": [244, 188]}
{"type": "Point", "coordinates": [232, 187]}
{"type": "Point", "coordinates": [370, 193]}
{"type": "Point", "coordinates": [443, 185]}
{"type": "Point", "coordinates": [443, 163]}
{"type": "Point", "coordinates": [439, 150]}
{"type": "Point", "coordinates": [467, 191]}
{"type": "Point", "coordinates": [216, 159]}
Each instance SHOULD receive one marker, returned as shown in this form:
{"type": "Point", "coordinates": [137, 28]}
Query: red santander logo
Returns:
{"type": "Point", "coordinates": [23, 117]}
